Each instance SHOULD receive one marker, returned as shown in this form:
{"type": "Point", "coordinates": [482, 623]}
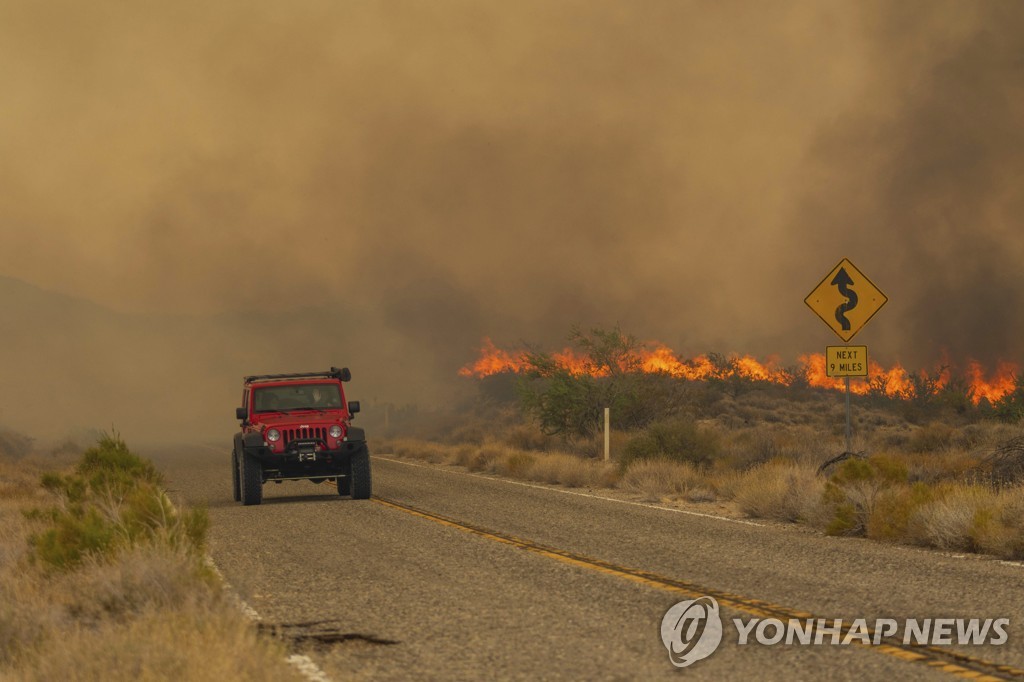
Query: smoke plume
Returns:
{"type": "Point", "coordinates": [247, 187]}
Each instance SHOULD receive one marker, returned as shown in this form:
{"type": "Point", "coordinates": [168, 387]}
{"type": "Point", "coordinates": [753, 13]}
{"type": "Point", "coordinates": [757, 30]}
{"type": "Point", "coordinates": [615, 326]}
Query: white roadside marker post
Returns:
{"type": "Point", "coordinates": [607, 434]}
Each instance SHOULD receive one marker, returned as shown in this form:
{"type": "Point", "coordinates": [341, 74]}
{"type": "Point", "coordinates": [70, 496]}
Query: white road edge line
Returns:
{"type": "Point", "coordinates": [304, 664]}
{"type": "Point", "coordinates": [571, 492]}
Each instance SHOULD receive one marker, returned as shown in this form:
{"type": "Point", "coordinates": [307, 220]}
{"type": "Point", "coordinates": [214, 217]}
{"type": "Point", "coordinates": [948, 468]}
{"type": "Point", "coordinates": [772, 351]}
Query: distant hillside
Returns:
{"type": "Point", "coordinates": [67, 363]}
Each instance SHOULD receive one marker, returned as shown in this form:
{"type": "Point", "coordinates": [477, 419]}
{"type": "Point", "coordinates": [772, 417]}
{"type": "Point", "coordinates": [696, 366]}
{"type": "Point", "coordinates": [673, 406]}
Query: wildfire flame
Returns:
{"type": "Point", "coordinates": [894, 382]}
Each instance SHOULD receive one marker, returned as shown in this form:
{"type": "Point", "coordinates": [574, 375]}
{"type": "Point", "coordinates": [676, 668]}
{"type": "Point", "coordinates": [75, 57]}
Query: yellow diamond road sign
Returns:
{"type": "Point", "coordinates": [845, 300]}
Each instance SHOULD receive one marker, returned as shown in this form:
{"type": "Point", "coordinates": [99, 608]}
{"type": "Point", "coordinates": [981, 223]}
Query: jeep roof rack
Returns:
{"type": "Point", "coordinates": [333, 373]}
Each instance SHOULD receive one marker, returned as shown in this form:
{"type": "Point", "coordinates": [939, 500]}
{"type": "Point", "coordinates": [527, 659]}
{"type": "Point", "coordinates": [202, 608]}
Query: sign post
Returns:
{"type": "Point", "coordinates": [607, 434]}
{"type": "Point", "coordinates": [845, 300]}
{"type": "Point", "coordinates": [846, 362]}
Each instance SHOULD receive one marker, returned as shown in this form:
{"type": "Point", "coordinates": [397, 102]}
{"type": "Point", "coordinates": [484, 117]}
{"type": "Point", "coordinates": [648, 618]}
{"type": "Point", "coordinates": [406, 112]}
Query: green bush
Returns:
{"type": "Point", "coordinates": [113, 500]}
{"type": "Point", "coordinates": [572, 405]}
{"type": "Point", "coordinates": [1011, 407]}
{"type": "Point", "coordinates": [679, 439]}
{"type": "Point", "coordinates": [895, 512]}
{"type": "Point", "coordinates": [855, 491]}
{"type": "Point", "coordinates": [111, 464]}
{"type": "Point", "coordinates": [77, 532]}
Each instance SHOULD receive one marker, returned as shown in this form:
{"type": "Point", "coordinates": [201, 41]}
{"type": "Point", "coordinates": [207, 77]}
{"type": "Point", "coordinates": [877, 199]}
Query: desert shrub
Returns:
{"type": "Point", "coordinates": [1005, 464]}
{"type": "Point", "coordinates": [74, 535]}
{"type": "Point", "coordinates": [726, 482]}
{"type": "Point", "coordinates": [516, 464]}
{"type": "Point", "coordinates": [570, 402]}
{"type": "Point", "coordinates": [110, 464]}
{"type": "Point", "coordinates": [142, 579]}
{"type": "Point", "coordinates": [657, 478]}
{"type": "Point", "coordinates": [679, 439]}
{"type": "Point", "coordinates": [113, 501]}
{"type": "Point", "coordinates": [117, 609]}
{"type": "Point", "coordinates": [471, 434]}
{"type": "Point", "coordinates": [568, 470]}
{"type": "Point", "coordinates": [1010, 408]}
{"type": "Point", "coordinates": [463, 454]}
{"type": "Point", "coordinates": [999, 528]}
{"type": "Point", "coordinates": [894, 515]}
{"type": "Point", "coordinates": [933, 437]}
{"type": "Point", "coordinates": [948, 522]}
{"type": "Point", "coordinates": [779, 490]}
{"type": "Point", "coordinates": [853, 490]}
{"type": "Point", "coordinates": [194, 641]}
{"type": "Point", "coordinates": [971, 517]}
{"type": "Point", "coordinates": [26, 618]}
{"type": "Point", "coordinates": [529, 437]}
{"type": "Point", "coordinates": [750, 447]}
{"type": "Point", "coordinates": [486, 458]}
{"type": "Point", "coordinates": [747, 447]}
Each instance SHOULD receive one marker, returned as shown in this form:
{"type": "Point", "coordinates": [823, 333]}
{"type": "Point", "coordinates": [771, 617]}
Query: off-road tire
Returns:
{"type": "Point", "coordinates": [251, 476]}
{"type": "Point", "coordinates": [236, 484]}
{"type": "Point", "coordinates": [361, 483]}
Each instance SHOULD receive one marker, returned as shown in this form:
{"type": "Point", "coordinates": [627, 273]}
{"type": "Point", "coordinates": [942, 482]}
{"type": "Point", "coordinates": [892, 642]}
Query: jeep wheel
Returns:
{"type": "Point", "coordinates": [251, 476]}
{"type": "Point", "coordinates": [236, 486]}
{"type": "Point", "coordinates": [360, 479]}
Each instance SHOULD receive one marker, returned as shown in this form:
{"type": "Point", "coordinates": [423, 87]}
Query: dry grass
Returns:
{"type": "Point", "coordinates": [923, 484]}
{"type": "Point", "coordinates": [749, 446]}
{"type": "Point", "coordinates": [149, 612]}
{"type": "Point", "coordinates": [193, 642]}
{"type": "Point", "coordinates": [780, 490]}
{"type": "Point", "coordinates": [570, 470]}
{"type": "Point", "coordinates": [560, 468]}
{"type": "Point", "coordinates": [659, 478]}
{"type": "Point", "coordinates": [973, 518]}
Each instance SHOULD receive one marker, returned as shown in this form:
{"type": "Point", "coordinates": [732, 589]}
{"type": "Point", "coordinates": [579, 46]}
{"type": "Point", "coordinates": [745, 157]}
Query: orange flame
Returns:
{"type": "Point", "coordinates": [992, 389]}
{"type": "Point", "coordinates": [494, 360]}
{"type": "Point", "coordinates": [894, 382]}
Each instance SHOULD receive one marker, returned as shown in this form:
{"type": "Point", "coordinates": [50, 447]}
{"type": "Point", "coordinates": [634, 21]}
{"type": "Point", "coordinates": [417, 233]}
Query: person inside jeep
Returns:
{"type": "Point", "coordinates": [266, 401]}
{"type": "Point", "coordinates": [321, 399]}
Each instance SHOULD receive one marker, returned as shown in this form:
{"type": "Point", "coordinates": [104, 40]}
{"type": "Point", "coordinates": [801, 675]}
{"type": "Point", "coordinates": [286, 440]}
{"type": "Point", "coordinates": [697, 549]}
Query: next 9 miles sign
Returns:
{"type": "Point", "coordinates": [846, 361]}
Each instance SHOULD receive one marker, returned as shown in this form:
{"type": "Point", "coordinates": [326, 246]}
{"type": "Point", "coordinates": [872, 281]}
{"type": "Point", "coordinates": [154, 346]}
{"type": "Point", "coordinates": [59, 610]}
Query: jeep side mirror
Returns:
{"type": "Point", "coordinates": [241, 413]}
{"type": "Point", "coordinates": [353, 406]}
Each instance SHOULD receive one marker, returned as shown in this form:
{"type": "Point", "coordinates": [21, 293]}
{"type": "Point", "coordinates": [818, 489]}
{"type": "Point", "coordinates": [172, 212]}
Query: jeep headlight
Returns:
{"type": "Point", "coordinates": [273, 435]}
{"type": "Point", "coordinates": [335, 431]}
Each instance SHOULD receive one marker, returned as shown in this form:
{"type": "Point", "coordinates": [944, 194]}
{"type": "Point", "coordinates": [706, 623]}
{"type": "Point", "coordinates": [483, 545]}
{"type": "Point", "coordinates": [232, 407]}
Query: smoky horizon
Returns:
{"type": "Point", "coordinates": [192, 193]}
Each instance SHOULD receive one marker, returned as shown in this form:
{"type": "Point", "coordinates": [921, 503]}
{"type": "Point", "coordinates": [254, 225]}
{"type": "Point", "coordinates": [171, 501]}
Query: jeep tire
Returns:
{"type": "Point", "coordinates": [236, 486]}
{"type": "Point", "coordinates": [360, 479]}
{"type": "Point", "coordinates": [251, 479]}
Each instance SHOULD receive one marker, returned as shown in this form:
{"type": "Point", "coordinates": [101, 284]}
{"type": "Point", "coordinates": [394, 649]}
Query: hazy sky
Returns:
{"type": "Point", "coordinates": [460, 168]}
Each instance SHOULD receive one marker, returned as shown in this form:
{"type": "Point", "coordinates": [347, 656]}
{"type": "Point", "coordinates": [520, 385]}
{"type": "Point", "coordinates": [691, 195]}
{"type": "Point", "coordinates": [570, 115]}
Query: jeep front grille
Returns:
{"type": "Point", "coordinates": [304, 434]}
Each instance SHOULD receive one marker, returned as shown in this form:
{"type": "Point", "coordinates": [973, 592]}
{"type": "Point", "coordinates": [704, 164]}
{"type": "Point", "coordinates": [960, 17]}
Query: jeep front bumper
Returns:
{"type": "Point", "coordinates": [306, 459]}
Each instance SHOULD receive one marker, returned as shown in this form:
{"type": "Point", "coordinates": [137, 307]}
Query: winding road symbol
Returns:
{"type": "Point", "coordinates": [844, 282]}
{"type": "Point", "coordinates": [845, 299]}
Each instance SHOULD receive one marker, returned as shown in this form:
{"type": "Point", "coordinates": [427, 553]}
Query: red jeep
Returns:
{"type": "Point", "coordinates": [298, 427]}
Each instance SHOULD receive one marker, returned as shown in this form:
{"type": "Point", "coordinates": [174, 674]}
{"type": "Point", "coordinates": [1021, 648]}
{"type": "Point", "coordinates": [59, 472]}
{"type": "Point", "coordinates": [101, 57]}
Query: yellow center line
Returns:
{"type": "Point", "coordinates": [951, 662]}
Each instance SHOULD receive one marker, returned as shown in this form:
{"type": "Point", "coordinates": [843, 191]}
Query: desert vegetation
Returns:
{"type": "Point", "coordinates": [932, 465]}
{"type": "Point", "coordinates": [102, 577]}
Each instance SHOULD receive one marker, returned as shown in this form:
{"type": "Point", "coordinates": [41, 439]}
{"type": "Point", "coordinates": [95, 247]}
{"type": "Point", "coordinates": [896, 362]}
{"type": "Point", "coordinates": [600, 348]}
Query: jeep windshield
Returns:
{"type": "Point", "coordinates": [296, 397]}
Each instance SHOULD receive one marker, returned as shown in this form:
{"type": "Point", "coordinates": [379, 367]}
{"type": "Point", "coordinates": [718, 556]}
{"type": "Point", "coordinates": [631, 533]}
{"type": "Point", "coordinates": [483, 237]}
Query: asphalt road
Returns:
{"type": "Point", "coordinates": [549, 584]}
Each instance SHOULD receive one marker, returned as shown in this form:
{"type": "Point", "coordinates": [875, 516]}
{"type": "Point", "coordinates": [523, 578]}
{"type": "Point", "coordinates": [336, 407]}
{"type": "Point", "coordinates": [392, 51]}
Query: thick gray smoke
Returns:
{"type": "Point", "coordinates": [923, 180]}
{"type": "Point", "coordinates": [246, 187]}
